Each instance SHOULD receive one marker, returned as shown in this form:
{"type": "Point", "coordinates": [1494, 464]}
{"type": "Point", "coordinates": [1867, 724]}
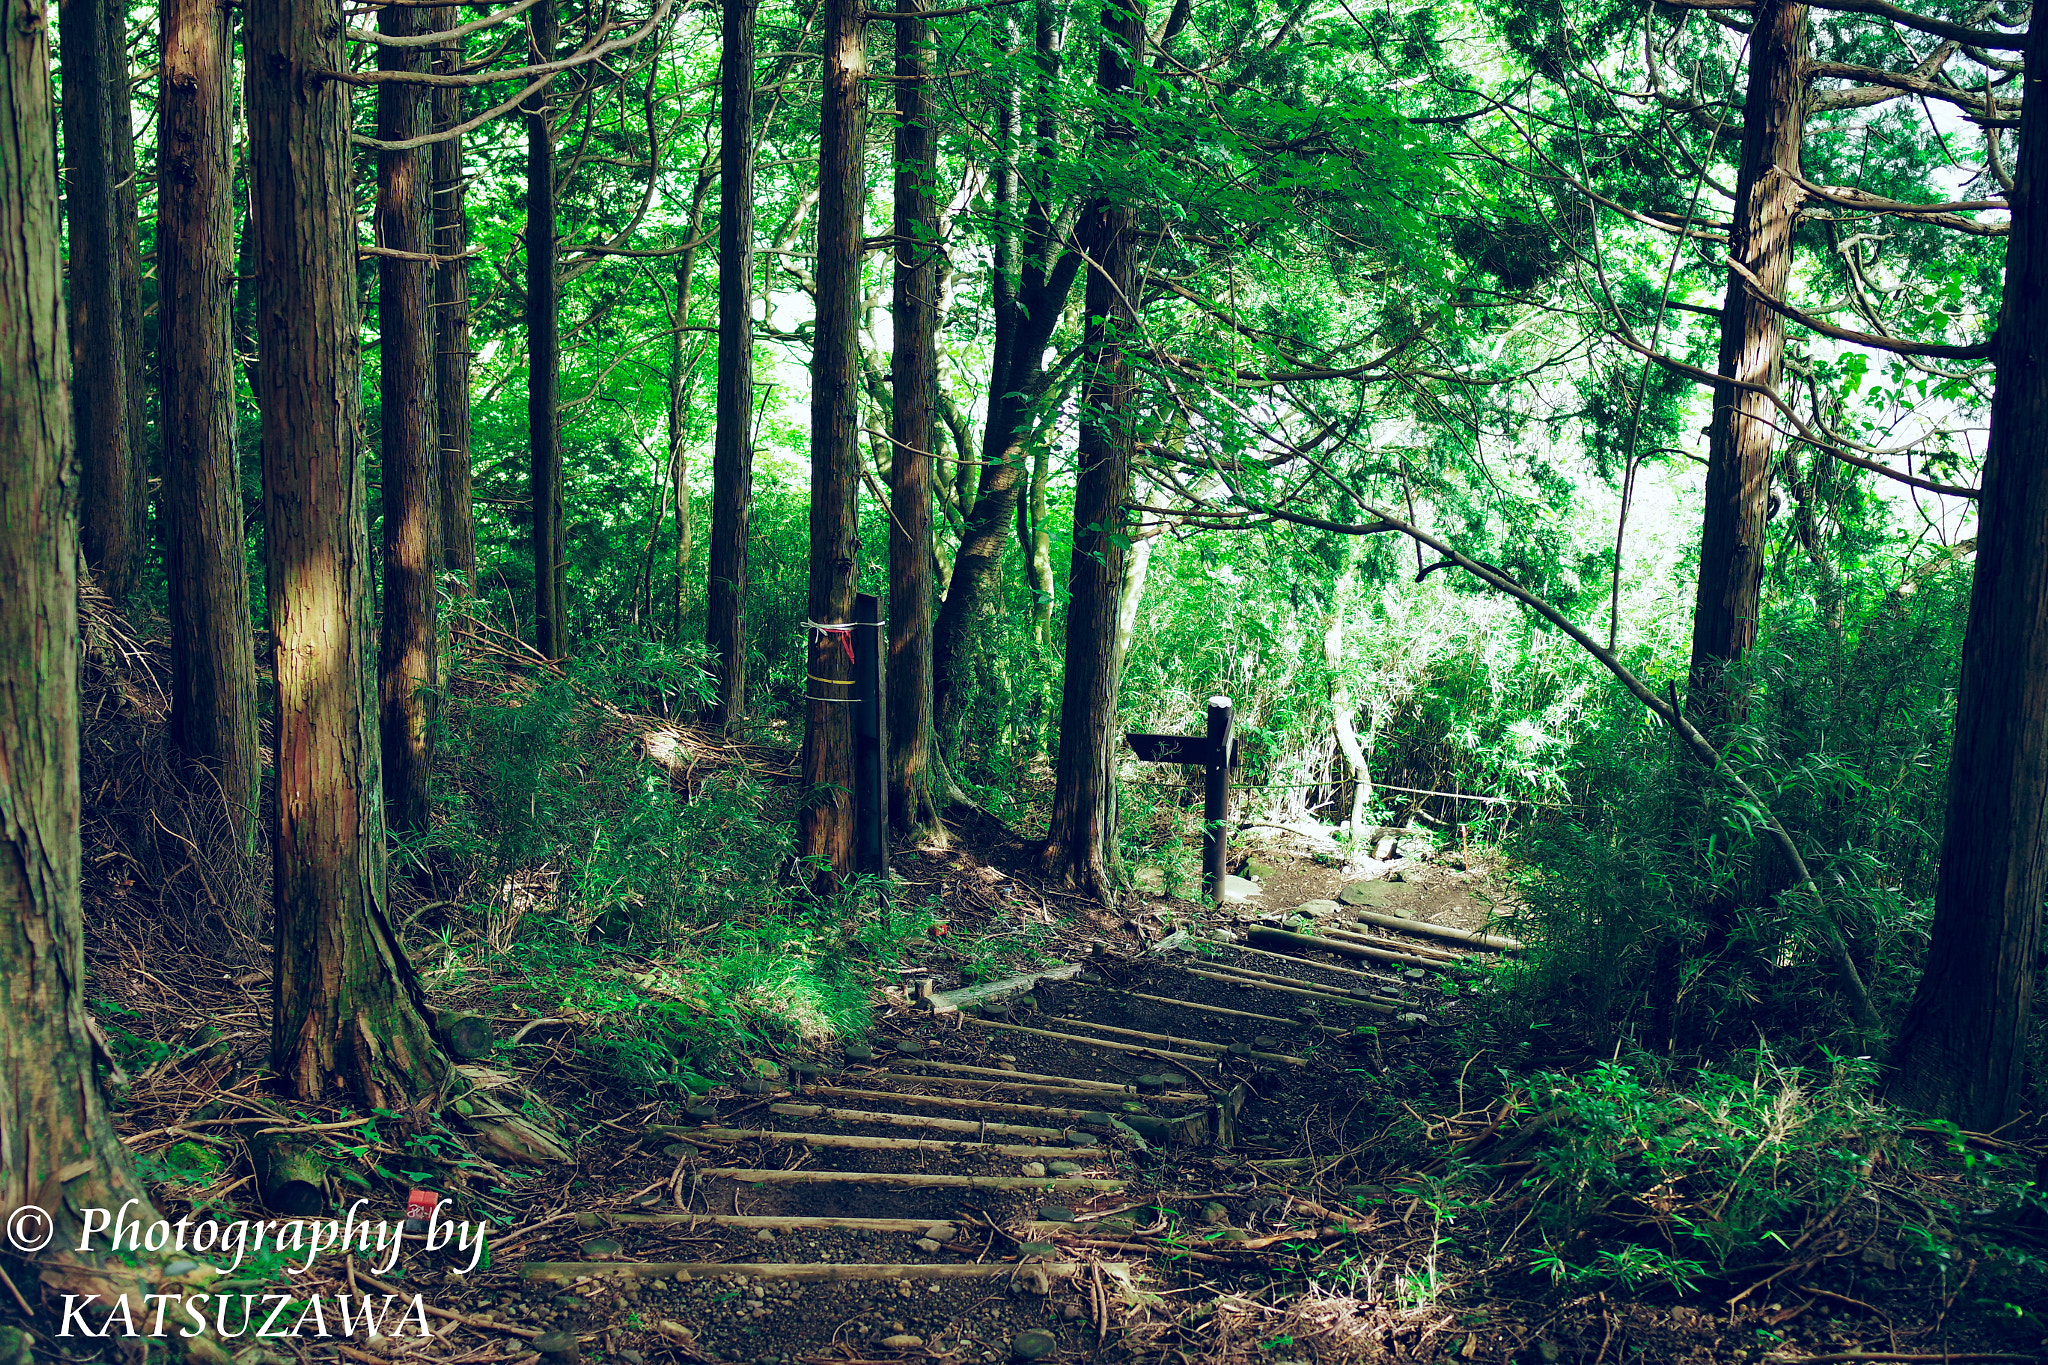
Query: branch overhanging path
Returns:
{"type": "Point", "coordinates": [1849, 979]}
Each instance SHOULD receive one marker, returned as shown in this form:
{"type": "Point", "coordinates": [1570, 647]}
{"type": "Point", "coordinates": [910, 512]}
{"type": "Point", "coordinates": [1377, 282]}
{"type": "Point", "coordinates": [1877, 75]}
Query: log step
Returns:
{"type": "Point", "coordinates": [1066, 1083]}
{"type": "Point", "coordinates": [1318, 996]}
{"type": "Point", "coordinates": [1295, 961]}
{"type": "Point", "coordinates": [1443, 931]}
{"type": "Point", "coordinates": [819, 1111]}
{"type": "Point", "coordinates": [1297, 983]}
{"type": "Point", "coordinates": [777, 1221]}
{"type": "Point", "coordinates": [1080, 1040]}
{"type": "Point", "coordinates": [1429, 950]}
{"type": "Point", "coordinates": [1089, 1090]}
{"type": "Point", "coordinates": [1237, 1014]}
{"type": "Point", "coordinates": [1214, 1049]}
{"type": "Point", "coordinates": [906, 1180]}
{"type": "Point", "coordinates": [896, 1144]}
{"type": "Point", "coordinates": [1338, 945]}
{"type": "Point", "coordinates": [557, 1271]}
{"type": "Point", "coordinates": [1066, 1117]}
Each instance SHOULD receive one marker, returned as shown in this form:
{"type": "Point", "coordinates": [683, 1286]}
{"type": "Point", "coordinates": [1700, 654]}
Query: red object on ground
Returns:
{"type": "Point", "coordinates": [420, 1204]}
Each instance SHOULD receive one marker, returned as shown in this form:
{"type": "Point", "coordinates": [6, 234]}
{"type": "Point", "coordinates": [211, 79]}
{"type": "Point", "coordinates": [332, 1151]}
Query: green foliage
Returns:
{"type": "Point", "coordinates": [1660, 903]}
{"type": "Point", "coordinates": [1713, 1167]}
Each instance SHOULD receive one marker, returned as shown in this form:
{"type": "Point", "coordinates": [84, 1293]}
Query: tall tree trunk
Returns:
{"type": "Point", "coordinates": [1348, 742]}
{"type": "Point", "coordinates": [1046, 279]}
{"type": "Point", "coordinates": [1040, 561]}
{"type": "Point", "coordinates": [1079, 842]}
{"type": "Point", "coordinates": [451, 318]}
{"type": "Point", "coordinates": [732, 450]}
{"type": "Point", "coordinates": [679, 376]}
{"type": "Point", "coordinates": [346, 1008]}
{"type": "Point", "coordinates": [213, 661]}
{"type": "Point", "coordinates": [915, 365]}
{"type": "Point", "coordinates": [1131, 594]}
{"type": "Point", "coordinates": [61, 1153]}
{"type": "Point", "coordinates": [112, 476]}
{"type": "Point", "coordinates": [1961, 1053]}
{"type": "Point", "coordinates": [544, 352]}
{"type": "Point", "coordinates": [128, 261]}
{"type": "Point", "coordinates": [408, 664]}
{"type": "Point", "coordinates": [825, 827]}
{"type": "Point", "coordinates": [1740, 434]}
{"type": "Point", "coordinates": [1752, 352]}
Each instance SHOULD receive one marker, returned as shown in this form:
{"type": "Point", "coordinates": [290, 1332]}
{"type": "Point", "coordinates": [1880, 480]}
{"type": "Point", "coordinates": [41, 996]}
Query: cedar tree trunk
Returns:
{"type": "Point", "coordinates": [113, 490]}
{"type": "Point", "coordinates": [1078, 843]}
{"type": "Point", "coordinates": [681, 372]}
{"type": "Point", "coordinates": [451, 316]}
{"type": "Point", "coordinates": [1744, 424]}
{"type": "Point", "coordinates": [732, 451]}
{"type": "Point", "coordinates": [408, 667]}
{"type": "Point", "coordinates": [1961, 1053]}
{"type": "Point", "coordinates": [915, 366]}
{"type": "Point", "coordinates": [57, 1150]}
{"type": "Point", "coordinates": [825, 827]}
{"type": "Point", "coordinates": [213, 661]}
{"type": "Point", "coordinates": [544, 351]}
{"type": "Point", "coordinates": [346, 1008]}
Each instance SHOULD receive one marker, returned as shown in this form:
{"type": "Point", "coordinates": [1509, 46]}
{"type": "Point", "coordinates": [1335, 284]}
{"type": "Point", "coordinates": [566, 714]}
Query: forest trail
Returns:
{"type": "Point", "coordinates": [1008, 1171]}
{"type": "Point", "coordinates": [1209, 1135]}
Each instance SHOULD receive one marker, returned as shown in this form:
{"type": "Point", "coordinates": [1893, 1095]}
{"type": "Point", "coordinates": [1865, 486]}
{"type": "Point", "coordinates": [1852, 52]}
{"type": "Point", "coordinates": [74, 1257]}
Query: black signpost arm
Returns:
{"type": "Point", "coordinates": [870, 741]}
{"type": "Point", "coordinates": [1216, 796]}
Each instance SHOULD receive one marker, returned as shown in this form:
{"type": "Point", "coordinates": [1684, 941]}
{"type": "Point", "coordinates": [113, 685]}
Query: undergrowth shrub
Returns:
{"type": "Point", "coordinates": [1662, 911]}
{"type": "Point", "coordinates": [1647, 1175]}
{"type": "Point", "coordinates": [656, 899]}
{"type": "Point", "coordinates": [1639, 1177]}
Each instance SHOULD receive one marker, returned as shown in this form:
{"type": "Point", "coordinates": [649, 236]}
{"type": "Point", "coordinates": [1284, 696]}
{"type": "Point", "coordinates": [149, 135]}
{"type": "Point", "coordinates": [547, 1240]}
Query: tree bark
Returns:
{"type": "Point", "coordinates": [1348, 742]}
{"type": "Point", "coordinates": [544, 352]}
{"type": "Point", "coordinates": [915, 366]}
{"type": "Point", "coordinates": [60, 1152]}
{"type": "Point", "coordinates": [1040, 559]}
{"type": "Point", "coordinates": [1744, 423]}
{"type": "Point", "coordinates": [451, 316]}
{"type": "Point", "coordinates": [213, 659]}
{"type": "Point", "coordinates": [826, 825]}
{"type": "Point", "coordinates": [1079, 841]}
{"type": "Point", "coordinates": [1961, 1053]}
{"type": "Point", "coordinates": [346, 1007]}
{"type": "Point", "coordinates": [680, 375]}
{"type": "Point", "coordinates": [1131, 593]}
{"type": "Point", "coordinates": [113, 487]}
{"type": "Point", "coordinates": [732, 450]}
{"type": "Point", "coordinates": [408, 663]}
{"type": "Point", "coordinates": [1046, 278]}
{"type": "Point", "coordinates": [128, 261]}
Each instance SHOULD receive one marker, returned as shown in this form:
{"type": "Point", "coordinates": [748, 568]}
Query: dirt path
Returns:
{"type": "Point", "coordinates": [1007, 1169]}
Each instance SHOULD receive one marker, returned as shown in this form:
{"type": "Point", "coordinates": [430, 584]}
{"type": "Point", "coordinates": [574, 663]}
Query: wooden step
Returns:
{"type": "Point", "coordinates": [907, 1180]}
{"type": "Point", "coordinates": [896, 1144]}
{"type": "Point", "coordinates": [819, 1111]}
{"type": "Point", "coordinates": [558, 1271]}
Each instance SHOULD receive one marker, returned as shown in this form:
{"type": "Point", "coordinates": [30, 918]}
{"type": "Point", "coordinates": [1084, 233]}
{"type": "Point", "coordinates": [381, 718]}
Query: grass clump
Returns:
{"type": "Point", "coordinates": [633, 876]}
{"type": "Point", "coordinates": [1635, 1175]}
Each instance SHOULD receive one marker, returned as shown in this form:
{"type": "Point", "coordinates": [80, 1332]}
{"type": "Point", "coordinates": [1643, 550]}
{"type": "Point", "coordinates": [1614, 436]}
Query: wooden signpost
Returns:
{"type": "Point", "coordinates": [1213, 751]}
